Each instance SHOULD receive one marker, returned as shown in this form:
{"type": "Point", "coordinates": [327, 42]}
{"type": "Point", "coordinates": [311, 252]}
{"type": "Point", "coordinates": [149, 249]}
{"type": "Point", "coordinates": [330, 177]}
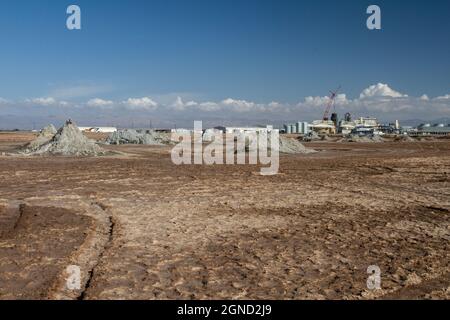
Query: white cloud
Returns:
{"type": "Point", "coordinates": [380, 90]}
{"type": "Point", "coordinates": [179, 104]}
{"type": "Point", "coordinates": [239, 105]}
{"type": "Point", "coordinates": [100, 103]}
{"type": "Point", "coordinates": [144, 103]}
{"type": "Point", "coordinates": [48, 101]}
{"type": "Point", "coordinates": [226, 105]}
{"type": "Point", "coordinates": [379, 100]}
{"type": "Point", "coordinates": [315, 102]}
{"type": "Point", "coordinates": [275, 105]}
{"type": "Point", "coordinates": [191, 104]}
{"type": "Point", "coordinates": [209, 106]}
{"type": "Point", "coordinates": [341, 99]}
{"type": "Point", "coordinates": [250, 106]}
{"type": "Point", "coordinates": [446, 97]}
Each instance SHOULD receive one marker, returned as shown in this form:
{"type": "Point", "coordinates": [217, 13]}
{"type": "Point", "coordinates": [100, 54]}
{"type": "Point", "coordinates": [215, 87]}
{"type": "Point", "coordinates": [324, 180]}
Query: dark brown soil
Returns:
{"type": "Point", "coordinates": [208, 232]}
{"type": "Point", "coordinates": [36, 243]}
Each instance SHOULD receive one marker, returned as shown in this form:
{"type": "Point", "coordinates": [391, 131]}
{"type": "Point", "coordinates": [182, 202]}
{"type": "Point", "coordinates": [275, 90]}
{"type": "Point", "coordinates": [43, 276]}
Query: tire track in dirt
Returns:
{"type": "Point", "coordinates": [38, 240]}
{"type": "Point", "coordinates": [89, 254]}
{"type": "Point", "coordinates": [91, 273]}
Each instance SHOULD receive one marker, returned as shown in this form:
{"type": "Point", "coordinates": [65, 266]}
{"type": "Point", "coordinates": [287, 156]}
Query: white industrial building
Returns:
{"type": "Point", "coordinates": [435, 130]}
{"type": "Point", "coordinates": [367, 122]}
{"type": "Point", "coordinates": [323, 126]}
{"type": "Point", "coordinates": [98, 129]}
{"type": "Point", "coordinates": [244, 130]}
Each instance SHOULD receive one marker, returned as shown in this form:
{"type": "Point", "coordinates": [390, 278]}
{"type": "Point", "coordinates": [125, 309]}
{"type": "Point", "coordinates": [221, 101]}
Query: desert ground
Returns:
{"type": "Point", "coordinates": [140, 227]}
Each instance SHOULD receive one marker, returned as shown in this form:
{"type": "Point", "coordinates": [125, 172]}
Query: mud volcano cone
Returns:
{"type": "Point", "coordinates": [45, 135]}
{"type": "Point", "coordinates": [146, 137]}
{"type": "Point", "coordinates": [289, 145]}
{"type": "Point", "coordinates": [48, 131]}
{"type": "Point", "coordinates": [69, 141]}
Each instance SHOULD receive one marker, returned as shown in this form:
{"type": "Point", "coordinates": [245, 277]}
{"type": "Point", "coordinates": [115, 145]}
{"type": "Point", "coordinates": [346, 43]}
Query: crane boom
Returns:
{"type": "Point", "coordinates": [332, 99]}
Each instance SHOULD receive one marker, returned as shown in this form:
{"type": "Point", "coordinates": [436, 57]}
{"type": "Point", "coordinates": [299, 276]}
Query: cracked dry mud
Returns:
{"type": "Point", "coordinates": [141, 228]}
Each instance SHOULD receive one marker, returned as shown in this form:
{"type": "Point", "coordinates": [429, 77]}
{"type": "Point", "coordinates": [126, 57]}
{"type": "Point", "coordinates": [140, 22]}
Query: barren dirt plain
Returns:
{"type": "Point", "coordinates": [140, 227]}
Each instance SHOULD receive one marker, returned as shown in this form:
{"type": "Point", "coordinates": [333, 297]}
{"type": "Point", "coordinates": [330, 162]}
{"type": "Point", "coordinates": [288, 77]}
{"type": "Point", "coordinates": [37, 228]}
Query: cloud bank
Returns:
{"type": "Point", "coordinates": [379, 100]}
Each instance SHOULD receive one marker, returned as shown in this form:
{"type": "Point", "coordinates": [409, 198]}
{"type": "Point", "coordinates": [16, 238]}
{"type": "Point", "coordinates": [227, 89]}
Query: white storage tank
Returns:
{"type": "Point", "coordinates": [287, 129]}
{"type": "Point", "coordinates": [305, 127]}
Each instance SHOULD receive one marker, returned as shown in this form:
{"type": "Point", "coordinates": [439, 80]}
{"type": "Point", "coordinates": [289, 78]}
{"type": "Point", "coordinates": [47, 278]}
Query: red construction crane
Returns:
{"type": "Point", "coordinates": [331, 102]}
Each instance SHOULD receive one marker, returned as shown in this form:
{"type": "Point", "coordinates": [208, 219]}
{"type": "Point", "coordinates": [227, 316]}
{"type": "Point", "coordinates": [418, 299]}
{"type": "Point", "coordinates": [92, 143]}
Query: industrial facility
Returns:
{"type": "Point", "coordinates": [362, 126]}
{"type": "Point", "coordinates": [434, 130]}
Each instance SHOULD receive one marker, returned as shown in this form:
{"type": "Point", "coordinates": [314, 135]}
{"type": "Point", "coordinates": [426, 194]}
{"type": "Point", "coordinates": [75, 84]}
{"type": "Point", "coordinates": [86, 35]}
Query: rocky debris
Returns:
{"type": "Point", "coordinates": [146, 137]}
{"type": "Point", "coordinates": [404, 138]}
{"type": "Point", "coordinates": [368, 138]}
{"type": "Point", "coordinates": [68, 141]}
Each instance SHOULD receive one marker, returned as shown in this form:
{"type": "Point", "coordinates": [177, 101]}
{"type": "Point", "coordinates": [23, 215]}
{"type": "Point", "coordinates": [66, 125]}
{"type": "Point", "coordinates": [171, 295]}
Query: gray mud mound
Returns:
{"type": "Point", "coordinates": [148, 137]}
{"type": "Point", "coordinates": [377, 138]}
{"type": "Point", "coordinates": [289, 145]}
{"type": "Point", "coordinates": [286, 145]}
{"type": "Point", "coordinates": [48, 131]}
{"type": "Point", "coordinates": [45, 135]}
{"type": "Point", "coordinates": [404, 139]}
{"type": "Point", "coordinates": [68, 141]}
{"type": "Point", "coordinates": [312, 136]}
{"type": "Point", "coordinates": [364, 139]}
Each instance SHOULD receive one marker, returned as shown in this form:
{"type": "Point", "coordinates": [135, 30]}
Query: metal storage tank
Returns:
{"type": "Point", "coordinates": [305, 127]}
{"type": "Point", "coordinates": [299, 127]}
{"type": "Point", "coordinates": [288, 129]}
{"type": "Point", "coordinates": [293, 128]}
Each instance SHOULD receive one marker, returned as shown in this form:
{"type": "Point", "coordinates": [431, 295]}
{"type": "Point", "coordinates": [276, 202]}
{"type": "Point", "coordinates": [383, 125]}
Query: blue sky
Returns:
{"type": "Point", "coordinates": [207, 51]}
